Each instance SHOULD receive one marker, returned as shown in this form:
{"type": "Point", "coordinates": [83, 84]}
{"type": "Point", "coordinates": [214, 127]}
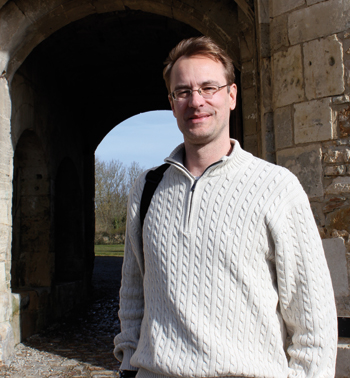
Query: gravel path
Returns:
{"type": "Point", "coordinates": [81, 346]}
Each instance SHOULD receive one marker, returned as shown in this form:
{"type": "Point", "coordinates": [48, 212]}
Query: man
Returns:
{"type": "Point", "coordinates": [227, 277]}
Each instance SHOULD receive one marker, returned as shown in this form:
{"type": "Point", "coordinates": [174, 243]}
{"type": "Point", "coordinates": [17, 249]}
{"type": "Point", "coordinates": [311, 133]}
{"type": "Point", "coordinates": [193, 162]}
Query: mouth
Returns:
{"type": "Point", "coordinates": [198, 117]}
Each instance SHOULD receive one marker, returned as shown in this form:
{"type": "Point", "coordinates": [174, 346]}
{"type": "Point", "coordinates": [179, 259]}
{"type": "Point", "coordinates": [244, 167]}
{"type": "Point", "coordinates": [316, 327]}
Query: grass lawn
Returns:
{"type": "Point", "coordinates": [109, 250]}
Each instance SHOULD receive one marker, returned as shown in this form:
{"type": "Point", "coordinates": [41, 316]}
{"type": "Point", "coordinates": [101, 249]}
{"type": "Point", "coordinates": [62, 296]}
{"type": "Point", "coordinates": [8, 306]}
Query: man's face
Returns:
{"type": "Point", "coordinates": [201, 120]}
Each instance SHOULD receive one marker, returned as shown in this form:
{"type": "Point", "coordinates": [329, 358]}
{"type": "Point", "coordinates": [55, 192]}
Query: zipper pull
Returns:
{"type": "Point", "coordinates": [194, 185]}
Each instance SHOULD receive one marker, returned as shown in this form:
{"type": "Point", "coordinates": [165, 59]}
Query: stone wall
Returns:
{"type": "Point", "coordinates": [308, 63]}
{"type": "Point", "coordinates": [294, 63]}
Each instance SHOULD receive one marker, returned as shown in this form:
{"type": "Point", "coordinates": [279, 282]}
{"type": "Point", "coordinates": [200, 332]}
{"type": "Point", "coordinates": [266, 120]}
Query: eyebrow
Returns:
{"type": "Point", "coordinates": [207, 82]}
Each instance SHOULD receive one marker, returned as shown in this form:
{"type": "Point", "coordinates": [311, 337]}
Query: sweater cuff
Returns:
{"type": "Point", "coordinates": [127, 354]}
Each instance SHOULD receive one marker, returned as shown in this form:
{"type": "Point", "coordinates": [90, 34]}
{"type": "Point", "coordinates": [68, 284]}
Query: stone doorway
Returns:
{"type": "Point", "coordinates": [65, 97]}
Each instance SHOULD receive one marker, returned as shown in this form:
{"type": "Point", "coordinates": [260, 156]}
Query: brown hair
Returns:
{"type": "Point", "coordinates": [199, 46]}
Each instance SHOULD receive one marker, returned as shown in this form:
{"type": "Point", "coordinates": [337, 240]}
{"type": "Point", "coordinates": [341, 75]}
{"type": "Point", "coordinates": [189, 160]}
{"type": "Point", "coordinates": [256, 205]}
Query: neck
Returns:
{"type": "Point", "coordinates": [199, 157]}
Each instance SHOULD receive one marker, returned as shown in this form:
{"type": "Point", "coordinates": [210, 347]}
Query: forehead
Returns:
{"type": "Point", "coordinates": [196, 70]}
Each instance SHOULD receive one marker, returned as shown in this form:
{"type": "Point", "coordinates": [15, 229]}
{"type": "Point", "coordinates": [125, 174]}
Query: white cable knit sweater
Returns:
{"type": "Point", "coordinates": [232, 263]}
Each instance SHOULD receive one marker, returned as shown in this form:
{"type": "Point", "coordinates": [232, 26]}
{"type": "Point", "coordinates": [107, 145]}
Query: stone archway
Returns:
{"type": "Point", "coordinates": [66, 90]}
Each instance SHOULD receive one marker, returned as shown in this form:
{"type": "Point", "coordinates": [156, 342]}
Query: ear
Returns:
{"type": "Point", "coordinates": [233, 96]}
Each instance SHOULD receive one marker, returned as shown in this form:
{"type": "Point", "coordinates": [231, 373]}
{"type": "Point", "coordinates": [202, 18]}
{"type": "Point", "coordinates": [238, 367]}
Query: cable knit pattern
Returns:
{"type": "Point", "coordinates": [230, 265]}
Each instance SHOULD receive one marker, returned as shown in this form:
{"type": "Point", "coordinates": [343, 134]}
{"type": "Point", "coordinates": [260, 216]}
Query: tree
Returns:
{"type": "Point", "coordinates": [113, 182]}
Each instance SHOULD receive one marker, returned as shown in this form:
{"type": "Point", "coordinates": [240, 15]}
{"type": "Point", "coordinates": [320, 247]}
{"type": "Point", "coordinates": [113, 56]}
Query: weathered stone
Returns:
{"type": "Point", "coordinates": [313, 121]}
{"type": "Point", "coordinates": [3, 278]}
{"type": "Point", "coordinates": [6, 341]}
{"type": "Point", "coordinates": [250, 111]}
{"type": "Point", "coordinates": [279, 32]}
{"type": "Point", "coordinates": [5, 306]}
{"type": "Point", "coordinates": [344, 122]}
{"type": "Point", "coordinates": [334, 155]}
{"type": "Point", "coordinates": [283, 127]}
{"type": "Point", "coordinates": [339, 185]}
{"type": "Point", "coordinates": [5, 103]}
{"type": "Point", "coordinates": [311, 2]}
{"type": "Point", "coordinates": [266, 88]}
{"type": "Point", "coordinates": [343, 359]}
{"type": "Point", "coordinates": [248, 75]}
{"type": "Point", "coordinates": [251, 145]}
{"type": "Point", "coordinates": [334, 203]}
{"type": "Point", "coordinates": [323, 68]}
{"type": "Point", "coordinates": [305, 163]}
{"type": "Point", "coordinates": [263, 14]}
{"type": "Point", "coordinates": [341, 100]}
{"type": "Point", "coordinates": [336, 258]}
{"type": "Point", "coordinates": [278, 7]}
{"type": "Point", "coordinates": [288, 77]}
{"type": "Point", "coordinates": [335, 170]}
{"type": "Point", "coordinates": [339, 154]}
{"type": "Point", "coordinates": [319, 20]}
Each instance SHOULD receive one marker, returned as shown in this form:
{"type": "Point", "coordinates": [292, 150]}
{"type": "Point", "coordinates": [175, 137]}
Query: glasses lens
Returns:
{"type": "Point", "coordinates": [181, 94]}
{"type": "Point", "coordinates": [209, 90]}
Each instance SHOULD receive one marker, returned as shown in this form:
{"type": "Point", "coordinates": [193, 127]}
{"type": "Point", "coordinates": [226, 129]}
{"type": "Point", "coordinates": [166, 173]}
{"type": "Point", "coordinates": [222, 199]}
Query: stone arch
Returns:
{"type": "Point", "coordinates": [66, 106]}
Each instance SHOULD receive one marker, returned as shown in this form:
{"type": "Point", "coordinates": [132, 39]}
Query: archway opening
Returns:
{"type": "Point", "coordinates": [71, 91]}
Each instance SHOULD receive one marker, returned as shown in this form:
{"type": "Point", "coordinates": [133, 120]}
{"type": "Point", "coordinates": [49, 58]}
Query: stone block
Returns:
{"type": "Point", "coordinates": [5, 211]}
{"type": "Point", "coordinates": [323, 68]}
{"type": "Point", "coordinates": [279, 32]}
{"type": "Point", "coordinates": [278, 7]}
{"type": "Point", "coordinates": [266, 88]}
{"type": "Point", "coordinates": [5, 102]}
{"type": "Point", "coordinates": [311, 2]}
{"type": "Point", "coordinates": [5, 307]}
{"type": "Point", "coordinates": [7, 343]}
{"type": "Point", "coordinates": [335, 170]}
{"type": "Point", "coordinates": [13, 26]}
{"type": "Point", "coordinates": [313, 121]}
{"type": "Point", "coordinates": [306, 164]}
{"type": "Point", "coordinates": [288, 77]}
{"type": "Point", "coordinates": [339, 100]}
{"type": "Point", "coordinates": [247, 45]}
{"type": "Point", "coordinates": [5, 242]}
{"type": "Point", "coordinates": [251, 145]}
{"type": "Point", "coordinates": [249, 111]}
{"type": "Point", "coordinates": [283, 127]}
{"type": "Point", "coordinates": [3, 278]}
{"type": "Point", "coordinates": [339, 154]}
{"type": "Point", "coordinates": [340, 185]}
{"type": "Point", "coordinates": [319, 20]}
{"type": "Point", "coordinates": [344, 122]}
{"type": "Point", "coordinates": [335, 252]}
{"type": "Point", "coordinates": [263, 14]}
{"type": "Point", "coordinates": [343, 359]}
{"type": "Point", "coordinates": [15, 319]}
{"type": "Point", "coordinates": [248, 75]}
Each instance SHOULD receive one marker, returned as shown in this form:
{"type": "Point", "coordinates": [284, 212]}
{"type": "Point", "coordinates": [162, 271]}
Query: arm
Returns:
{"type": "Point", "coordinates": [131, 292]}
{"type": "Point", "coordinates": [306, 295]}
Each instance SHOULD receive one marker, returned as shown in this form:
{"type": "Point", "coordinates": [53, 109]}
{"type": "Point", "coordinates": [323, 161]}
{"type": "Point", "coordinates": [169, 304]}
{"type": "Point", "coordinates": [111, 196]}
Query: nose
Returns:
{"type": "Point", "coordinates": [195, 99]}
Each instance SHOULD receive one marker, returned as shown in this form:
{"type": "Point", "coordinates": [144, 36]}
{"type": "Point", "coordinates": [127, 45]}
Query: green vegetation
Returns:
{"type": "Point", "coordinates": [109, 250]}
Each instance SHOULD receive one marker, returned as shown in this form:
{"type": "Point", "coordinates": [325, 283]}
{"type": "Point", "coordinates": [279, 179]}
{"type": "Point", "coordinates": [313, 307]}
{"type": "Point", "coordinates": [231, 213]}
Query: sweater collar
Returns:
{"type": "Point", "coordinates": [237, 158]}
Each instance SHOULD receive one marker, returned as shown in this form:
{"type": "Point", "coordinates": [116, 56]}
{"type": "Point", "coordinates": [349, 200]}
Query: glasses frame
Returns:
{"type": "Point", "coordinates": [199, 90]}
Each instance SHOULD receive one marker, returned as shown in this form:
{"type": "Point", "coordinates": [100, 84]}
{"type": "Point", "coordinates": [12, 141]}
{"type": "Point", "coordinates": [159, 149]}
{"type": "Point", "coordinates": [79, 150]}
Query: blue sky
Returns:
{"type": "Point", "coordinates": [146, 138]}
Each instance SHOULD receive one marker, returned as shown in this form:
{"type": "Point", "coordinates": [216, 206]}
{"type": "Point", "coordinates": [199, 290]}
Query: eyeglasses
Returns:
{"type": "Point", "coordinates": [206, 91]}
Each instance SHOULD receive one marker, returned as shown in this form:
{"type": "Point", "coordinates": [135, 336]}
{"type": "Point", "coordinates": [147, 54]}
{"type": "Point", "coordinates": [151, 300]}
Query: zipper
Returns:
{"type": "Point", "coordinates": [193, 187]}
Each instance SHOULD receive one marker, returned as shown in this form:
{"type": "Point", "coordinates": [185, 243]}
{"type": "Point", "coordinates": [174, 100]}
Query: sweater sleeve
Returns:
{"type": "Point", "coordinates": [131, 292]}
{"type": "Point", "coordinates": [306, 297]}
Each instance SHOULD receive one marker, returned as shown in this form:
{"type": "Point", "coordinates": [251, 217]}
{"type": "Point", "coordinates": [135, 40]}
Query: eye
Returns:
{"type": "Point", "coordinates": [182, 93]}
{"type": "Point", "coordinates": [209, 89]}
